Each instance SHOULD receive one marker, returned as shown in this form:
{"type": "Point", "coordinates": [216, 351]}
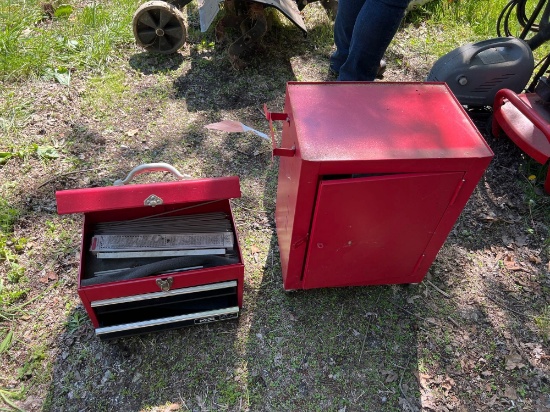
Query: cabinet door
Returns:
{"type": "Point", "coordinates": [374, 230]}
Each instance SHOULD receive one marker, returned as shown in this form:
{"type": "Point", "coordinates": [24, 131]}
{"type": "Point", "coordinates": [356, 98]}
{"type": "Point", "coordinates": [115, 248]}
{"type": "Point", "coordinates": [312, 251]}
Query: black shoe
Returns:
{"type": "Point", "coordinates": [379, 74]}
{"type": "Point", "coordinates": [381, 69]}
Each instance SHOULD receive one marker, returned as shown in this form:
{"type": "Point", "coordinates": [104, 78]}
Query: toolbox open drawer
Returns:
{"type": "Point", "coordinates": [125, 293]}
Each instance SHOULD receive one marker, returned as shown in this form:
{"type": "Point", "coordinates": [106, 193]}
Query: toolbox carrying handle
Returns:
{"type": "Point", "coordinates": [277, 151]}
{"type": "Point", "coordinates": [151, 167]}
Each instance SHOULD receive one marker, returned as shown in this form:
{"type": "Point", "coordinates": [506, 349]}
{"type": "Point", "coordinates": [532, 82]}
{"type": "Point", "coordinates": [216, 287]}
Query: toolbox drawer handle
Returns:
{"type": "Point", "coordinates": [151, 167]}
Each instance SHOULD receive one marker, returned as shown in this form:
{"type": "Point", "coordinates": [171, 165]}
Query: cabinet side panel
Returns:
{"type": "Point", "coordinates": [470, 181]}
{"type": "Point", "coordinates": [296, 191]}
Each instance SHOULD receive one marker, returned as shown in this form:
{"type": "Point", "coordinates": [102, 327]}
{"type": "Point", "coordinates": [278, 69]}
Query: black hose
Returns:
{"type": "Point", "coordinates": [503, 21]}
{"type": "Point", "coordinates": [161, 266]}
{"type": "Point", "coordinates": [528, 24]}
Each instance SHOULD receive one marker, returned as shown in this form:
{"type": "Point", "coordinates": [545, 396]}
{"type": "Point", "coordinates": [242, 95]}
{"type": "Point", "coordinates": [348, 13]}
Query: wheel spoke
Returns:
{"type": "Point", "coordinates": [147, 36]}
{"type": "Point", "coordinates": [165, 18]}
{"type": "Point", "coordinates": [175, 32]}
{"type": "Point", "coordinates": [147, 19]}
{"type": "Point", "coordinates": [164, 44]}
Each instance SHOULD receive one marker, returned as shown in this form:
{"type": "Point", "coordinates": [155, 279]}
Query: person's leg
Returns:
{"type": "Point", "coordinates": [373, 31]}
{"type": "Point", "coordinates": [347, 13]}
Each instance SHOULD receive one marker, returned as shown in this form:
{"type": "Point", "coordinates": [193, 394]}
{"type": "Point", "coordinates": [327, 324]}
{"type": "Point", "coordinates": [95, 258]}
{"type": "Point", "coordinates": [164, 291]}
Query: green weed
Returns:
{"type": "Point", "coordinates": [14, 289]}
{"type": "Point", "coordinates": [42, 152]}
{"type": "Point", "coordinates": [33, 363]}
{"type": "Point", "coordinates": [75, 321]}
{"type": "Point", "coordinates": [229, 393]}
{"type": "Point", "coordinates": [543, 323]}
{"type": "Point", "coordinates": [8, 216]}
{"type": "Point", "coordinates": [8, 396]}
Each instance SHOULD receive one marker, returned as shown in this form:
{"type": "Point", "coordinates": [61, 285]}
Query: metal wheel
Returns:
{"type": "Point", "coordinates": [159, 27]}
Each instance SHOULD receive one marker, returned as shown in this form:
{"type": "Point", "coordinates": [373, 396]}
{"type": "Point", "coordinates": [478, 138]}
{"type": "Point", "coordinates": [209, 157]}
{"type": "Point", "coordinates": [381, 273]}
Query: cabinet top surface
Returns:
{"type": "Point", "coordinates": [380, 120]}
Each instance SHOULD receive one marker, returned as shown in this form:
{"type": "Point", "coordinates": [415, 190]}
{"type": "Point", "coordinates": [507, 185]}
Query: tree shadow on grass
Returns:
{"type": "Point", "coordinates": [335, 349]}
{"type": "Point", "coordinates": [153, 63]}
{"type": "Point", "coordinates": [140, 372]}
{"type": "Point", "coordinates": [349, 349]}
{"type": "Point", "coordinates": [212, 83]}
{"type": "Point", "coordinates": [209, 85]}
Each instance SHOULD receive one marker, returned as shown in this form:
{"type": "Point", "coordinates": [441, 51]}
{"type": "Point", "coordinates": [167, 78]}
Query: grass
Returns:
{"type": "Point", "coordinates": [103, 92]}
{"type": "Point", "coordinates": [12, 288]}
{"type": "Point", "coordinates": [454, 23]}
{"type": "Point", "coordinates": [35, 43]}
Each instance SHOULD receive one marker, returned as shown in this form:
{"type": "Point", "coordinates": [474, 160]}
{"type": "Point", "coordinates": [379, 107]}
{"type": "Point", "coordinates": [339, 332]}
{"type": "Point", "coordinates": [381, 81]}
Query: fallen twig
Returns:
{"type": "Point", "coordinates": [453, 321]}
{"type": "Point", "coordinates": [57, 176]}
{"type": "Point", "coordinates": [437, 289]}
{"type": "Point", "coordinates": [515, 311]}
{"type": "Point", "coordinates": [402, 391]}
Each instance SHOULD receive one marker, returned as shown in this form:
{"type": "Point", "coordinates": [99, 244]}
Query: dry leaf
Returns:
{"type": "Point", "coordinates": [511, 264]}
{"type": "Point", "coordinates": [52, 276]}
{"type": "Point", "coordinates": [492, 401]}
{"type": "Point", "coordinates": [521, 241]}
{"type": "Point", "coordinates": [412, 298]}
{"type": "Point", "coordinates": [254, 249]}
{"type": "Point", "coordinates": [510, 392]}
{"type": "Point", "coordinates": [489, 216]}
{"type": "Point", "coordinates": [132, 132]}
{"type": "Point", "coordinates": [447, 384]}
{"type": "Point", "coordinates": [514, 360]}
{"type": "Point", "coordinates": [535, 259]}
{"type": "Point", "coordinates": [391, 376]}
{"type": "Point", "coordinates": [536, 350]}
{"type": "Point", "coordinates": [424, 379]}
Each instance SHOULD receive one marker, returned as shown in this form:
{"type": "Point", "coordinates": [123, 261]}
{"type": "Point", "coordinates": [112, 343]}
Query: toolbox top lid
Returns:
{"type": "Point", "coordinates": [340, 121]}
{"type": "Point", "coordinates": [147, 195]}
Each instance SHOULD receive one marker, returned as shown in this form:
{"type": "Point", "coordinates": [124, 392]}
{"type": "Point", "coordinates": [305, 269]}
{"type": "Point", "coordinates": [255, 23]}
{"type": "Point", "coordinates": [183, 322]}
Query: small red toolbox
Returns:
{"type": "Point", "coordinates": [157, 256]}
{"type": "Point", "coordinates": [372, 177]}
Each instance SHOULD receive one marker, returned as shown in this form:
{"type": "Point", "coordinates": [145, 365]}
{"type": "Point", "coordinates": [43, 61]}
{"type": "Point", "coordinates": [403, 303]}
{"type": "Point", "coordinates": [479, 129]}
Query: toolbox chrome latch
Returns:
{"type": "Point", "coordinates": [165, 284]}
{"type": "Point", "coordinates": [153, 200]}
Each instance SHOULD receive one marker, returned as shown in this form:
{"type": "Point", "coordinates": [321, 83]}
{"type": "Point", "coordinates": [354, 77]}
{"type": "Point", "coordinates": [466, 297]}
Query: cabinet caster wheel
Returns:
{"type": "Point", "coordinates": [159, 27]}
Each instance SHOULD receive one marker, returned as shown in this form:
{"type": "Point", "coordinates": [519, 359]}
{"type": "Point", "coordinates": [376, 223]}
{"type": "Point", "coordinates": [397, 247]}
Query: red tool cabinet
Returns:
{"type": "Point", "coordinates": [194, 295]}
{"type": "Point", "coordinates": [372, 178]}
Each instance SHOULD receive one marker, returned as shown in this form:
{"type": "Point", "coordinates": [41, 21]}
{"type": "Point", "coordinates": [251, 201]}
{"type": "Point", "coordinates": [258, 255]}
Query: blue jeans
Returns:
{"type": "Point", "coordinates": [362, 32]}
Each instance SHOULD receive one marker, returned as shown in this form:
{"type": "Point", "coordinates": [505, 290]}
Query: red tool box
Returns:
{"type": "Point", "coordinates": [157, 256]}
{"type": "Point", "coordinates": [372, 178]}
